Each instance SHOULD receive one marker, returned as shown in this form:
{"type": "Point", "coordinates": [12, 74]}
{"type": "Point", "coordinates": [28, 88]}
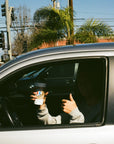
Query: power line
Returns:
{"type": "Point", "coordinates": [95, 13]}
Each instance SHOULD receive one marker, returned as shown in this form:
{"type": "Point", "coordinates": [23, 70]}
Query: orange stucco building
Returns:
{"type": "Point", "coordinates": [63, 43]}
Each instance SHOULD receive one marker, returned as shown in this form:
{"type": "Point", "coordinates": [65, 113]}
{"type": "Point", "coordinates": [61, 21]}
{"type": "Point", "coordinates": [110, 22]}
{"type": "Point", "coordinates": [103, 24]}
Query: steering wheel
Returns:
{"type": "Point", "coordinates": [9, 113]}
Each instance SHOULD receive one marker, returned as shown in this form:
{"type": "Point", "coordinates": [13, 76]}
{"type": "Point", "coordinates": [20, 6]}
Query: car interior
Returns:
{"type": "Point", "coordinates": [84, 78]}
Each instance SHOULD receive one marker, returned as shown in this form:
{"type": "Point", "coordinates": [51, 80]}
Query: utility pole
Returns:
{"type": "Point", "coordinates": [54, 3]}
{"type": "Point", "coordinates": [71, 13]}
{"type": "Point", "coordinates": [8, 23]}
{"type": "Point", "coordinates": [70, 3]}
{"type": "Point", "coordinates": [6, 11]}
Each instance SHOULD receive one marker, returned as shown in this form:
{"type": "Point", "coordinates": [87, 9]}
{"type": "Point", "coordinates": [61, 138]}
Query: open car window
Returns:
{"type": "Point", "coordinates": [84, 79]}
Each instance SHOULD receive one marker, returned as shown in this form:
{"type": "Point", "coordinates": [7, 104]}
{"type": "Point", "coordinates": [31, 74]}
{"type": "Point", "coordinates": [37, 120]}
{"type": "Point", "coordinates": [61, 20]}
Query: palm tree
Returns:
{"type": "Point", "coordinates": [55, 25]}
{"type": "Point", "coordinates": [92, 29]}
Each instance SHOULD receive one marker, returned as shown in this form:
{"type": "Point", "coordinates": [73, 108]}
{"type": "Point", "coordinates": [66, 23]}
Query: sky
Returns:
{"type": "Point", "coordinates": [84, 9]}
{"type": "Point", "coordinates": [101, 9]}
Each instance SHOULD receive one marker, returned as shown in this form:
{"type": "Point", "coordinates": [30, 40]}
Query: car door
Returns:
{"type": "Point", "coordinates": [93, 131]}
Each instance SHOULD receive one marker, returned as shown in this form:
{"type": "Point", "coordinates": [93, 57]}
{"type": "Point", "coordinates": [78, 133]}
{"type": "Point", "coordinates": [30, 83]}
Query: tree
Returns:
{"type": "Point", "coordinates": [92, 29]}
{"type": "Point", "coordinates": [54, 25]}
{"type": "Point", "coordinates": [20, 44]}
{"type": "Point", "coordinates": [22, 19]}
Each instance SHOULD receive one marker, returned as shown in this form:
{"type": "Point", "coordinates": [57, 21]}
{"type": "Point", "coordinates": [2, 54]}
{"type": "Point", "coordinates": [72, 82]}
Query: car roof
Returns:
{"type": "Point", "coordinates": [94, 47]}
{"type": "Point", "coordinates": [67, 48]}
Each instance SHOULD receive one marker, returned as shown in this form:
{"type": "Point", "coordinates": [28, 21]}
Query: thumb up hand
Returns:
{"type": "Point", "coordinates": [68, 105]}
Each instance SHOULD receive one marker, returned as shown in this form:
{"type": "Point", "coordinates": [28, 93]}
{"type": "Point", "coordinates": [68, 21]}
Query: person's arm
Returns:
{"type": "Point", "coordinates": [70, 107]}
{"type": "Point", "coordinates": [44, 116]}
{"type": "Point", "coordinates": [76, 116]}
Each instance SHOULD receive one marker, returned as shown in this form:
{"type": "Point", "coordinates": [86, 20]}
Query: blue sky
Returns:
{"type": "Point", "coordinates": [101, 9]}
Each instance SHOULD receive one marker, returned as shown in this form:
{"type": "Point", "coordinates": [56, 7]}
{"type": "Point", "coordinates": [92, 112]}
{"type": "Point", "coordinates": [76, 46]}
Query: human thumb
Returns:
{"type": "Point", "coordinates": [71, 97]}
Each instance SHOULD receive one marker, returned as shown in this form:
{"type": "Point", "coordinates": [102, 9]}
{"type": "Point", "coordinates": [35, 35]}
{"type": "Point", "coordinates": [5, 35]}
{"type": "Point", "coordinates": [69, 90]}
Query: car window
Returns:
{"type": "Point", "coordinates": [78, 81]}
{"type": "Point", "coordinates": [65, 70]}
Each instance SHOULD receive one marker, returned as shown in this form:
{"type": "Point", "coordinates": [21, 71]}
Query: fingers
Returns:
{"type": "Point", "coordinates": [71, 97]}
{"type": "Point", "coordinates": [34, 96]}
{"type": "Point", "coordinates": [33, 99]}
{"type": "Point", "coordinates": [64, 100]}
{"type": "Point", "coordinates": [66, 110]}
{"type": "Point", "coordinates": [35, 93]}
{"type": "Point", "coordinates": [68, 105]}
{"type": "Point", "coordinates": [46, 93]}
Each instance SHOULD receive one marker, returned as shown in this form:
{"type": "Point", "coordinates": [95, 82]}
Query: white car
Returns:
{"type": "Point", "coordinates": [86, 71]}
